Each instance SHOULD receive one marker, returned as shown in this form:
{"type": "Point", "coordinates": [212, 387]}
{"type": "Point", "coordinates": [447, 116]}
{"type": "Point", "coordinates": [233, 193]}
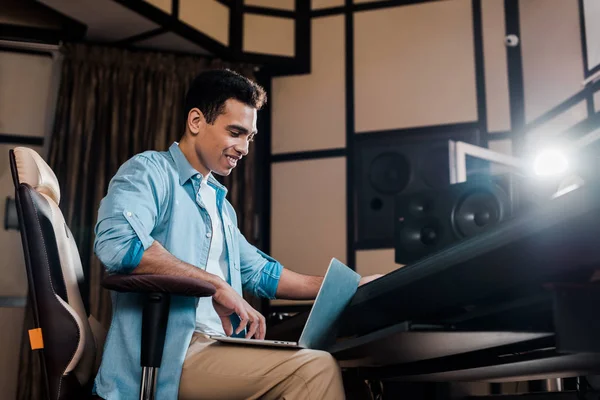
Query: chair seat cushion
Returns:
{"type": "Point", "coordinates": [176, 285]}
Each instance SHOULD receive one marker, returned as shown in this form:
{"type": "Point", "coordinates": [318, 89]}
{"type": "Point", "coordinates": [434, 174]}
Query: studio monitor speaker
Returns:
{"type": "Point", "coordinates": [430, 220]}
{"type": "Point", "coordinates": [388, 167]}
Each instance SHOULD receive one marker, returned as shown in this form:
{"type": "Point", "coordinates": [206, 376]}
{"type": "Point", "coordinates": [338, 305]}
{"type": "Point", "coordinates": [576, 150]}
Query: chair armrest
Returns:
{"type": "Point", "coordinates": [175, 285]}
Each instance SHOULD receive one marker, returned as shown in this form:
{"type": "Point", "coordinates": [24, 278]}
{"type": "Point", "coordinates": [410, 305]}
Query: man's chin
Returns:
{"type": "Point", "coordinates": [225, 172]}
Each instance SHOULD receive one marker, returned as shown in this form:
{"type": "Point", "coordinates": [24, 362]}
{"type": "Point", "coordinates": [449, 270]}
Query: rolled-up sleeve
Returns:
{"type": "Point", "coordinates": [128, 215]}
{"type": "Point", "coordinates": [260, 272]}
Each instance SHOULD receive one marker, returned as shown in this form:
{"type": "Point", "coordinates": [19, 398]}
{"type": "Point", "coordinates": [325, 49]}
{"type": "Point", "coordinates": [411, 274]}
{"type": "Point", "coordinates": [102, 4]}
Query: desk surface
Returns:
{"type": "Point", "coordinates": [461, 356]}
{"type": "Point", "coordinates": [388, 348]}
{"type": "Point", "coordinates": [497, 270]}
{"type": "Point", "coordinates": [559, 366]}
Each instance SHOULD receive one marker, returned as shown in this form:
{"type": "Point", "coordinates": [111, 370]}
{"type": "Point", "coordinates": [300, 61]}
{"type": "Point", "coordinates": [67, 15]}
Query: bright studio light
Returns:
{"type": "Point", "coordinates": [550, 162]}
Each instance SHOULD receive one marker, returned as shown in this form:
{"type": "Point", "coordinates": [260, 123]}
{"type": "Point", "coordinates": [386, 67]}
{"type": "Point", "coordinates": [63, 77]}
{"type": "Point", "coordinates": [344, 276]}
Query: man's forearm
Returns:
{"type": "Point", "coordinates": [157, 260]}
{"type": "Point", "coordinates": [294, 286]}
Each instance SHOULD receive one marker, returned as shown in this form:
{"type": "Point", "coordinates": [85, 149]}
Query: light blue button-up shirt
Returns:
{"type": "Point", "coordinates": [155, 196]}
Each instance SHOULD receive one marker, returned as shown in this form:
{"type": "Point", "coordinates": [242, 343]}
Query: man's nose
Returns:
{"type": "Point", "coordinates": [242, 147]}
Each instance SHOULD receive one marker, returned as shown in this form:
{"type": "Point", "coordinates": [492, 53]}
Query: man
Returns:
{"type": "Point", "coordinates": [165, 213]}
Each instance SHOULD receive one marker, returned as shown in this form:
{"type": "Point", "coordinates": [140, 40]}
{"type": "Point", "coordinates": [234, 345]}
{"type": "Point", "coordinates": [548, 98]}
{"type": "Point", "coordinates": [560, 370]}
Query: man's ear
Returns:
{"type": "Point", "coordinates": [195, 121]}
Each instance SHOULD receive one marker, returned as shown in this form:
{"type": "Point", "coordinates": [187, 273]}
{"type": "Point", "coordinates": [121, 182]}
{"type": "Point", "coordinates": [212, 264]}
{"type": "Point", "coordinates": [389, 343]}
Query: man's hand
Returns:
{"type": "Point", "coordinates": [367, 279]}
{"type": "Point", "coordinates": [227, 301]}
{"type": "Point", "coordinates": [157, 260]}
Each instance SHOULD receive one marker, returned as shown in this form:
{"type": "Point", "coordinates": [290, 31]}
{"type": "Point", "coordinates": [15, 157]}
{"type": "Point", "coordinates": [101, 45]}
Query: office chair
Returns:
{"type": "Point", "coordinates": [69, 340]}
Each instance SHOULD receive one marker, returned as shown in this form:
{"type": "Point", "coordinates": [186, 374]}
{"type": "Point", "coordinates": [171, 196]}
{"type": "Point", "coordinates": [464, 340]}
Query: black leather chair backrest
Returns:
{"type": "Point", "coordinates": [54, 274]}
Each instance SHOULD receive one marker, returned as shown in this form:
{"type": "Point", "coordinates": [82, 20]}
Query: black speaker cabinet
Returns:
{"type": "Point", "coordinates": [388, 167]}
{"type": "Point", "coordinates": [431, 220]}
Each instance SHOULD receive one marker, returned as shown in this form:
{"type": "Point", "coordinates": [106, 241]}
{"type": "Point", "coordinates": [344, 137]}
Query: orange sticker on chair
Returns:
{"type": "Point", "coordinates": [35, 339]}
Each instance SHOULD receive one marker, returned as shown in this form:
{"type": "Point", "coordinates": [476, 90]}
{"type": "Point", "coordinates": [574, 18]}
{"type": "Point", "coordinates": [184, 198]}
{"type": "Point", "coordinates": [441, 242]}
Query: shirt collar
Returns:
{"type": "Point", "coordinates": [185, 169]}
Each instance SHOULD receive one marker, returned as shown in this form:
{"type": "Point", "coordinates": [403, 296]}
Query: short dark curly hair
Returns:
{"type": "Point", "coordinates": [211, 89]}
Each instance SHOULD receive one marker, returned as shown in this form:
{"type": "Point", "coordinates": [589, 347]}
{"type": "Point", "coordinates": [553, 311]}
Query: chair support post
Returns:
{"type": "Point", "coordinates": [154, 327]}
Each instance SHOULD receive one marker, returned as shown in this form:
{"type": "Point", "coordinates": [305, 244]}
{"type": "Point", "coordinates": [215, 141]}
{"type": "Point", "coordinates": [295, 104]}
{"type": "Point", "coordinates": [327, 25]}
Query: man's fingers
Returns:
{"type": "Point", "coordinates": [252, 328]}
{"type": "Point", "coordinates": [243, 320]}
{"type": "Point", "coordinates": [262, 327]}
{"type": "Point", "coordinates": [224, 313]}
{"type": "Point", "coordinates": [227, 327]}
{"type": "Point", "coordinates": [257, 327]}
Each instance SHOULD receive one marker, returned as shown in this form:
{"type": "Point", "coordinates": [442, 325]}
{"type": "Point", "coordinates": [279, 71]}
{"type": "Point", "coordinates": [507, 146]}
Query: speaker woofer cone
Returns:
{"type": "Point", "coordinates": [420, 235]}
{"type": "Point", "coordinates": [389, 173]}
{"type": "Point", "coordinates": [476, 212]}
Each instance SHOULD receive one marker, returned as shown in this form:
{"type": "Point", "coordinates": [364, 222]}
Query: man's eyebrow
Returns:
{"type": "Point", "coordinates": [240, 128]}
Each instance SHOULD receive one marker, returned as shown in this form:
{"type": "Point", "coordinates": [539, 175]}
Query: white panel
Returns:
{"type": "Point", "coordinates": [11, 320]}
{"type": "Point", "coordinates": [208, 16]}
{"type": "Point", "coordinates": [320, 4]}
{"type": "Point", "coordinates": [12, 262]}
{"type": "Point", "coordinates": [381, 261]}
{"type": "Point", "coordinates": [309, 111]}
{"type": "Point", "coordinates": [165, 5]}
{"type": "Point", "coordinates": [26, 82]}
{"type": "Point", "coordinates": [269, 35]}
{"type": "Point", "coordinates": [122, 23]}
{"type": "Point", "coordinates": [551, 51]}
{"type": "Point", "coordinates": [557, 125]}
{"type": "Point", "coordinates": [503, 146]}
{"type": "Point", "coordinates": [171, 42]}
{"type": "Point", "coordinates": [597, 101]}
{"type": "Point", "coordinates": [308, 214]}
{"type": "Point", "coordinates": [592, 32]}
{"type": "Point", "coordinates": [408, 74]}
{"type": "Point", "coordinates": [279, 4]}
{"type": "Point", "coordinates": [496, 69]}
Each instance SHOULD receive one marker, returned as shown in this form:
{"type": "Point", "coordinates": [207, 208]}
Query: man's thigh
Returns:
{"type": "Point", "coordinates": [214, 370]}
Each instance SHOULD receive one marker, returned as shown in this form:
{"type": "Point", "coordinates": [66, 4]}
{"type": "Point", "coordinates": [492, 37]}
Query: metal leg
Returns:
{"type": "Point", "coordinates": [148, 384]}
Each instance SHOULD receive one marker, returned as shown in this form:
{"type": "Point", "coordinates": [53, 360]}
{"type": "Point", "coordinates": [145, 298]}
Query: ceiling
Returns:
{"type": "Point", "coordinates": [109, 21]}
{"type": "Point", "coordinates": [273, 33]}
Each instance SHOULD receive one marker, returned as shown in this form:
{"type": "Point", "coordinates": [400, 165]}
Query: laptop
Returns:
{"type": "Point", "coordinates": [338, 288]}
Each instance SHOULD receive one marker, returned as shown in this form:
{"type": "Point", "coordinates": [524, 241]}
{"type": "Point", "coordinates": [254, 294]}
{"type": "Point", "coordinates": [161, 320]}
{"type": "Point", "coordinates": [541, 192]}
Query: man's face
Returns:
{"type": "Point", "coordinates": [221, 145]}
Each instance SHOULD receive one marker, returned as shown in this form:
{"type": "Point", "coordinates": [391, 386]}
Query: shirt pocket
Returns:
{"type": "Point", "coordinates": [138, 228]}
{"type": "Point", "coordinates": [231, 233]}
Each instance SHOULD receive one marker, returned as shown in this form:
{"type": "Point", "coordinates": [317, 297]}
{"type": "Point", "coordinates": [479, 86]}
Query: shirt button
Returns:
{"type": "Point", "coordinates": [208, 234]}
{"type": "Point", "coordinates": [129, 213]}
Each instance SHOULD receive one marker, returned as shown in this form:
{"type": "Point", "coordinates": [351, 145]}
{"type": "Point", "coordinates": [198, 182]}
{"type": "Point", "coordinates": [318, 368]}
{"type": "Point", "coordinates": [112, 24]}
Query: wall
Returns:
{"type": "Point", "coordinates": [553, 66]}
{"type": "Point", "coordinates": [390, 71]}
{"type": "Point", "coordinates": [401, 69]}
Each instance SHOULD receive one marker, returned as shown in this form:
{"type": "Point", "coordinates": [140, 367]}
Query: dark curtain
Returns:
{"type": "Point", "coordinates": [114, 103]}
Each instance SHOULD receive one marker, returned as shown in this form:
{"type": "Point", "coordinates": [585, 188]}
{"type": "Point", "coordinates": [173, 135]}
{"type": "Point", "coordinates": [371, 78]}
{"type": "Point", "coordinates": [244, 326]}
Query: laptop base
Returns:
{"type": "Point", "coordinates": [256, 342]}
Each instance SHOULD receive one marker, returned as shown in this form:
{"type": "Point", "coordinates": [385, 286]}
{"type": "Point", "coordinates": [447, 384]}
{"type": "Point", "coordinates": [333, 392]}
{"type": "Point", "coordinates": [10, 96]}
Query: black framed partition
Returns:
{"type": "Point", "coordinates": [349, 100]}
{"type": "Point", "coordinates": [392, 73]}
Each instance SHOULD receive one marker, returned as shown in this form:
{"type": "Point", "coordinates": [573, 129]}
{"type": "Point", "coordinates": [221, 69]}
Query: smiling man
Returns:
{"type": "Point", "coordinates": [165, 213]}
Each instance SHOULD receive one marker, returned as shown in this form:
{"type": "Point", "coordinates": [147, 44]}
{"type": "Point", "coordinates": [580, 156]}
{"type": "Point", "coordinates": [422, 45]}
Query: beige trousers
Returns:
{"type": "Point", "coordinates": [214, 371]}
